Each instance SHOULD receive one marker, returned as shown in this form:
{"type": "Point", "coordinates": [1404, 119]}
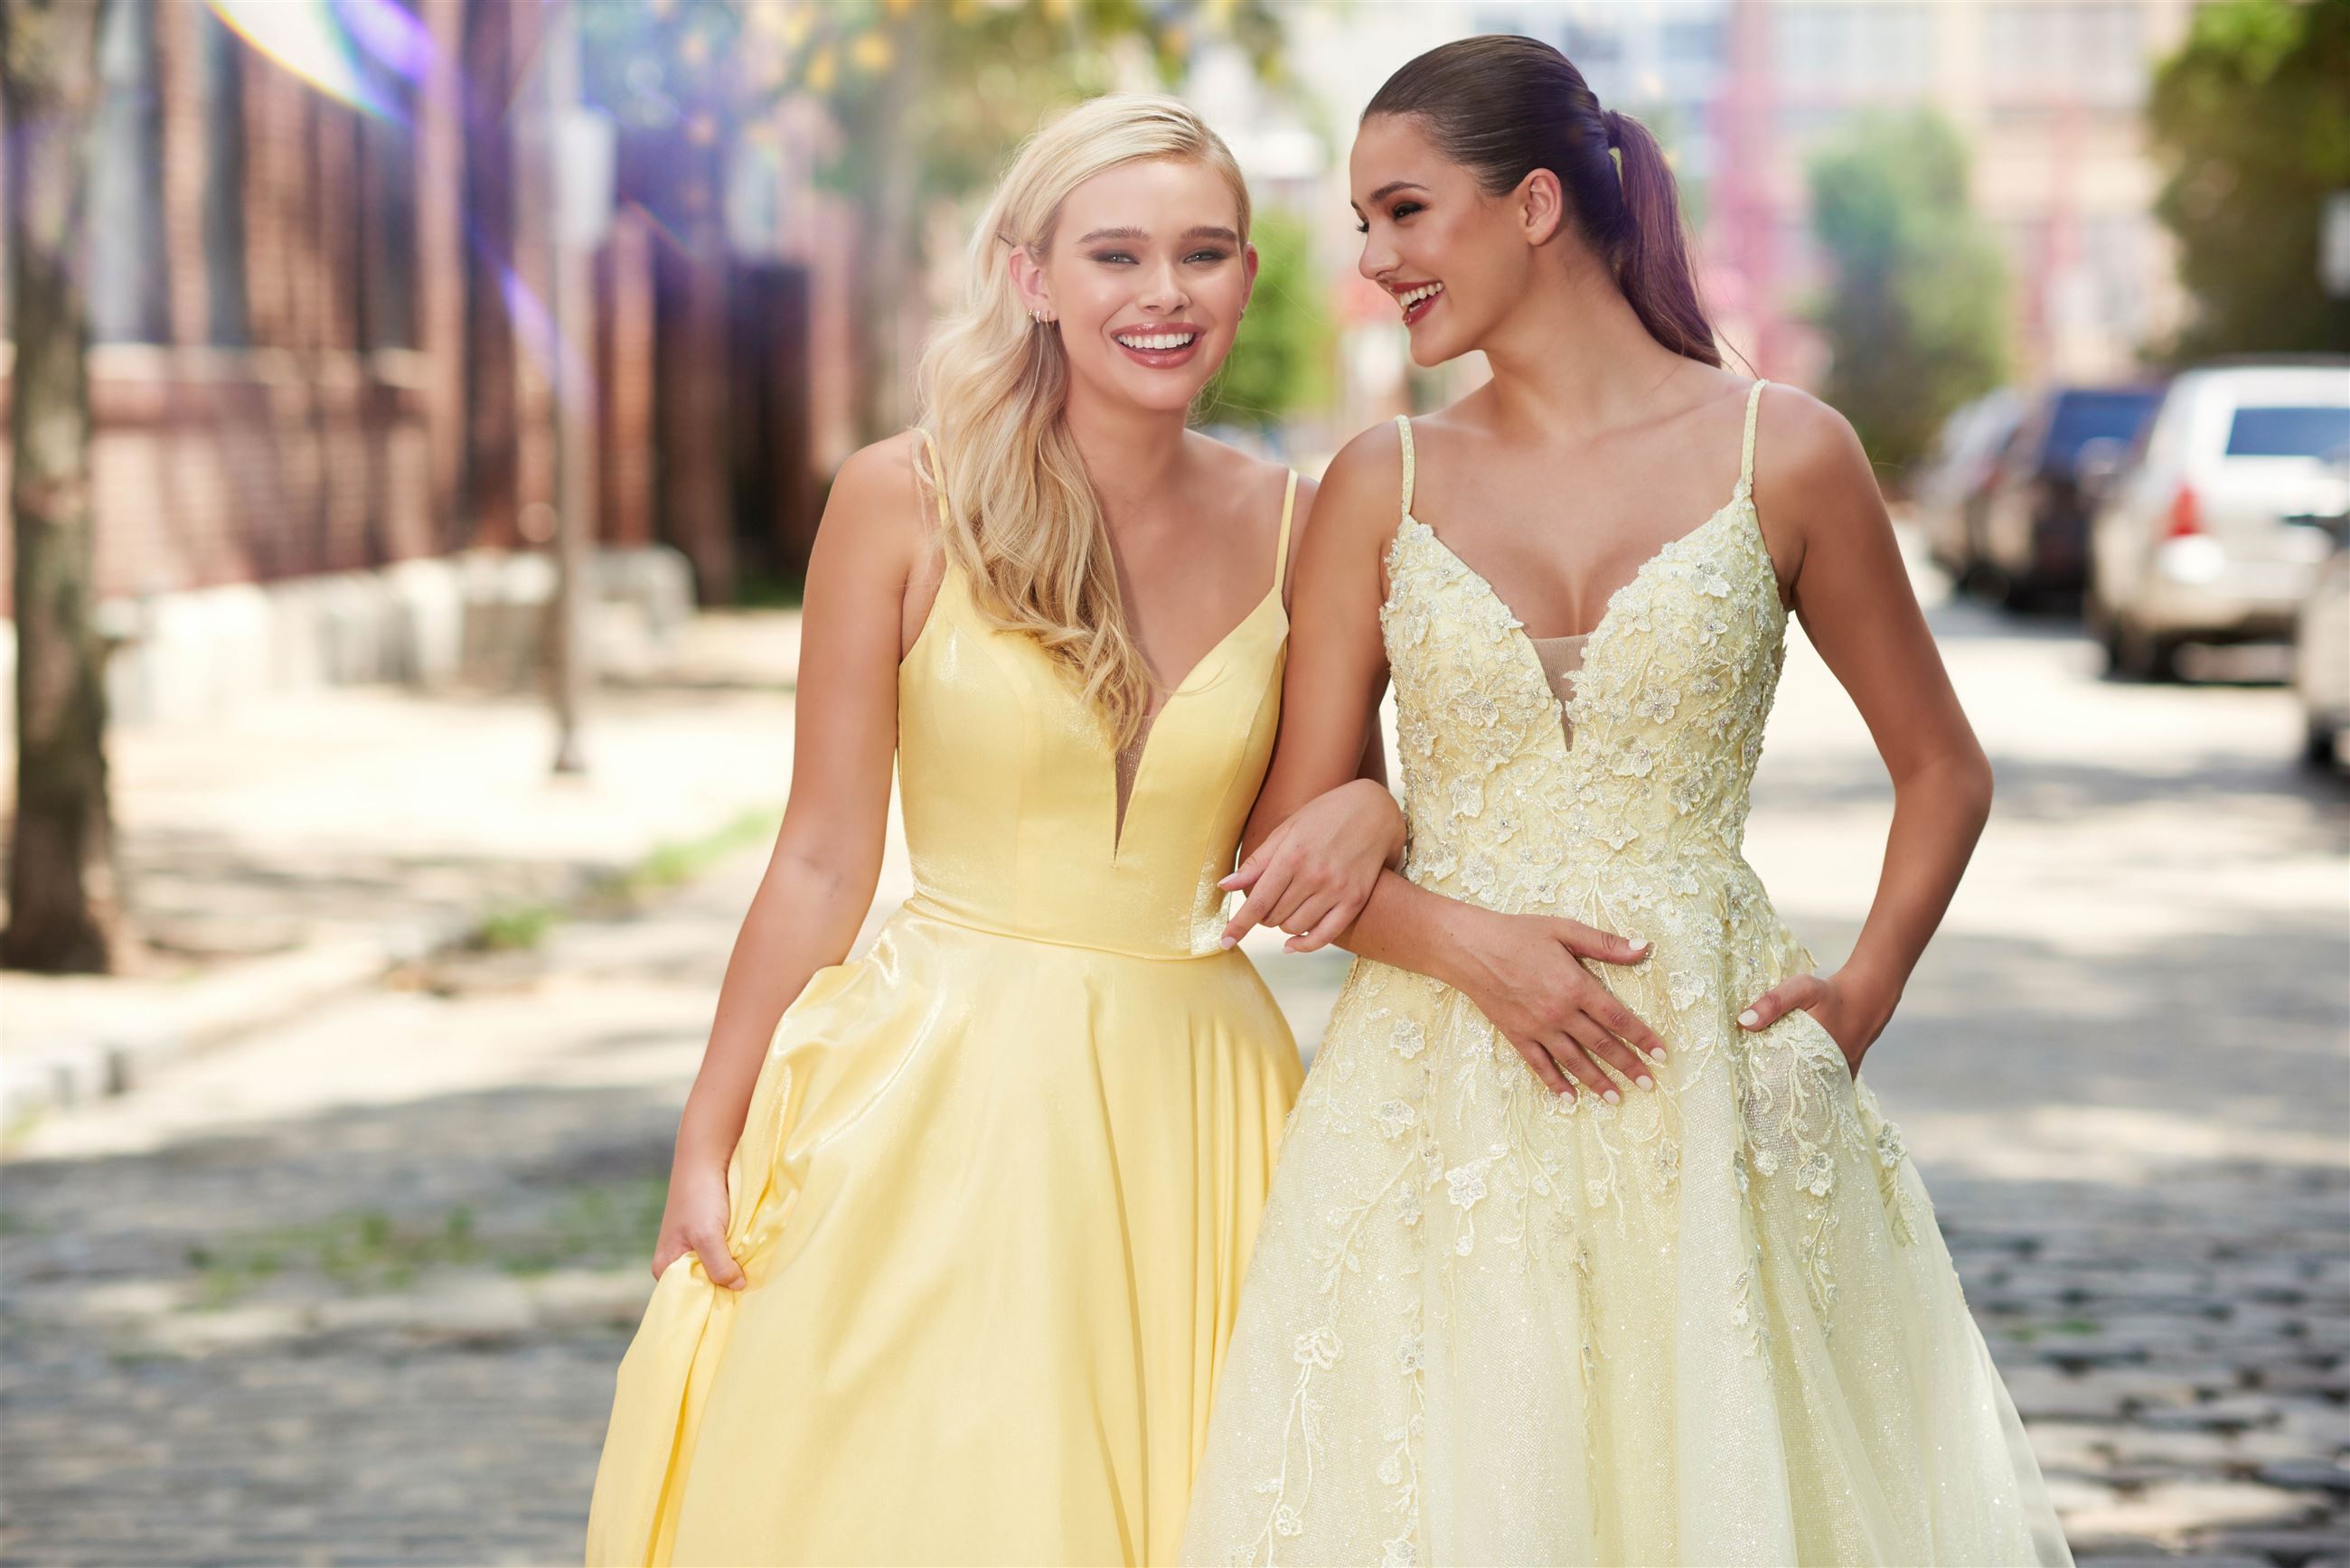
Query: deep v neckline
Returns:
{"type": "Point", "coordinates": [1125, 787]}
{"type": "Point", "coordinates": [1607, 611]}
{"type": "Point", "coordinates": [1593, 639]}
{"type": "Point", "coordinates": [1123, 790]}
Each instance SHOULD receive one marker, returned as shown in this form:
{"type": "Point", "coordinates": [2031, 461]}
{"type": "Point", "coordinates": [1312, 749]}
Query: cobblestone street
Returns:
{"type": "Point", "coordinates": [351, 1288]}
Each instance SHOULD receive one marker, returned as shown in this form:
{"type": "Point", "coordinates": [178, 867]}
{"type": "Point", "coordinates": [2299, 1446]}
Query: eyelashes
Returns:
{"type": "Point", "coordinates": [1397, 213]}
{"type": "Point", "coordinates": [1126, 257]}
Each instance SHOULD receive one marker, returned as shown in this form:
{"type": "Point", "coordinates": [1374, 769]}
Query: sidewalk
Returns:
{"type": "Point", "coordinates": [310, 844]}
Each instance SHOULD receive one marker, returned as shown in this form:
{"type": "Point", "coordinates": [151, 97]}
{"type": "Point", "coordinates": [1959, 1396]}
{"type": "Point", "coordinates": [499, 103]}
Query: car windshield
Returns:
{"type": "Point", "coordinates": [2081, 417]}
{"type": "Point", "coordinates": [2281, 430]}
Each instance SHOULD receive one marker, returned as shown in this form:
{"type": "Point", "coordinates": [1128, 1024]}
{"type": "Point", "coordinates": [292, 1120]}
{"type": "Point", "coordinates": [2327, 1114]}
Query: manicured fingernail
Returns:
{"type": "Point", "coordinates": [1645, 1081]}
{"type": "Point", "coordinates": [1749, 1018]}
{"type": "Point", "coordinates": [1613, 1098]}
{"type": "Point", "coordinates": [1641, 944]}
{"type": "Point", "coordinates": [1227, 941]}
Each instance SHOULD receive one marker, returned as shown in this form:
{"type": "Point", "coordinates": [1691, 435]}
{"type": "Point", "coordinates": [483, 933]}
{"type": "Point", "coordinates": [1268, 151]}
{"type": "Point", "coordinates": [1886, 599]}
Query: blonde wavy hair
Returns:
{"type": "Point", "coordinates": [1023, 523]}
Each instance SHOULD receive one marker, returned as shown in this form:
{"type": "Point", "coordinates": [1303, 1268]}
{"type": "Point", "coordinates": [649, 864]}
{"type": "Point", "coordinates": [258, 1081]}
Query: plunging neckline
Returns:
{"type": "Point", "coordinates": [1123, 791]}
{"type": "Point", "coordinates": [1741, 499]}
{"type": "Point", "coordinates": [1121, 801]}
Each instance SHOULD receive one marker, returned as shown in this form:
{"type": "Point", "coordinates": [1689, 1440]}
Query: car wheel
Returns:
{"type": "Point", "coordinates": [2139, 655]}
{"type": "Point", "coordinates": [2104, 632]}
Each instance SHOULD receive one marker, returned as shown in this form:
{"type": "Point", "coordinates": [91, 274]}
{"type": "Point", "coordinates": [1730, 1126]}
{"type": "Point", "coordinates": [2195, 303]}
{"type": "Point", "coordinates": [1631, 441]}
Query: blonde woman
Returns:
{"type": "Point", "coordinates": [952, 1250]}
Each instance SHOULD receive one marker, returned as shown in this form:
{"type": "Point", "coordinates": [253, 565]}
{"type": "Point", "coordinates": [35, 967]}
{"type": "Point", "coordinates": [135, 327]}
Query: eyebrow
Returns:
{"type": "Point", "coordinates": [1197, 232]}
{"type": "Point", "coordinates": [1392, 186]}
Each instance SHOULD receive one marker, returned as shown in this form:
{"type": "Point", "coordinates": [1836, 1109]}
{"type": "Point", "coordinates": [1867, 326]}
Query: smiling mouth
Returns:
{"type": "Point", "coordinates": [1162, 347]}
{"type": "Point", "coordinates": [1418, 300]}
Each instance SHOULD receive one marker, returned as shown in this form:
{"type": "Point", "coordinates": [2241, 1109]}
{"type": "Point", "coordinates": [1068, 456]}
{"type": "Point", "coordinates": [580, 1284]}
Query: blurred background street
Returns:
{"type": "Point", "coordinates": [417, 424]}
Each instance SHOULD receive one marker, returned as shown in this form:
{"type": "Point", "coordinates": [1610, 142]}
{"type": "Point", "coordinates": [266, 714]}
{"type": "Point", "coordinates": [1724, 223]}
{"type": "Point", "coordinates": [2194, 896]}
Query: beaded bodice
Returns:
{"type": "Point", "coordinates": [1667, 715]}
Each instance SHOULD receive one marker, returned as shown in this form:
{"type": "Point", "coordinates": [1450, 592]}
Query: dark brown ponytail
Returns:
{"type": "Point", "coordinates": [1505, 105]}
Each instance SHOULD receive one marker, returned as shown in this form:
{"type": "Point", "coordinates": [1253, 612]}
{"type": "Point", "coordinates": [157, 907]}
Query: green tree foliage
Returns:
{"type": "Point", "coordinates": [2253, 117]}
{"type": "Point", "coordinates": [1281, 362]}
{"type": "Point", "coordinates": [1916, 311]}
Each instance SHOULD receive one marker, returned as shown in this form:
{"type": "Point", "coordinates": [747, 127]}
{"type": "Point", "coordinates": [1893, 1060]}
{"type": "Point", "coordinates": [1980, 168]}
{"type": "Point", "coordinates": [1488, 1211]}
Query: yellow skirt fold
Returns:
{"type": "Point", "coordinates": [995, 1200]}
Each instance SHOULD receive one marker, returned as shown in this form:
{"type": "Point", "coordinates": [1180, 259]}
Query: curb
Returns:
{"type": "Point", "coordinates": [43, 1074]}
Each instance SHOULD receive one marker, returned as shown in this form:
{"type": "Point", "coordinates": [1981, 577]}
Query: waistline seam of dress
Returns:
{"type": "Point", "coordinates": [923, 909]}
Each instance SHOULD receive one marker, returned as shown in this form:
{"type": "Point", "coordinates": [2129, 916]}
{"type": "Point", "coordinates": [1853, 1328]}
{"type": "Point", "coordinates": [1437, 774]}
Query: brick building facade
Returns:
{"type": "Point", "coordinates": [321, 340]}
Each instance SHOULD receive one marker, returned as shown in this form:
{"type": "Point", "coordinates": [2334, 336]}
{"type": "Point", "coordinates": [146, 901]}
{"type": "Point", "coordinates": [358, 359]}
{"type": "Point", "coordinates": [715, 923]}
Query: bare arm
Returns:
{"type": "Point", "coordinates": [1853, 594]}
{"type": "Point", "coordinates": [1521, 971]}
{"type": "Point", "coordinates": [819, 880]}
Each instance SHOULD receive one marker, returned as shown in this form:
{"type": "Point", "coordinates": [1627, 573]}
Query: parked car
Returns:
{"type": "Point", "coordinates": [1950, 490]}
{"type": "Point", "coordinates": [2321, 645]}
{"type": "Point", "coordinates": [2214, 533]}
{"type": "Point", "coordinates": [2034, 535]}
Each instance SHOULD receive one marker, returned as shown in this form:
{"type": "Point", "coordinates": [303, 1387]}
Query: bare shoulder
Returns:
{"type": "Point", "coordinates": [883, 473]}
{"type": "Point", "coordinates": [880, 506]}
{"type": "Point", "coordinates": [1254, 484]}
{"type": "Point", "coordinates": [1807, 459]}
{"type": "Point", "coordinates": [1361, 492]}
{"type": "Point", "coordinates": [1816, 493]}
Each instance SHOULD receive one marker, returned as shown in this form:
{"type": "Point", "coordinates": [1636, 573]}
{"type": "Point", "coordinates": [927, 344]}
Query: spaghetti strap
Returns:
{"type": "Point", "coordinates": [1403, 429]}
{"type": "Point", "coordinates": [1746, 452]}
{"type": "Point", "coordinates": [1281, 546]}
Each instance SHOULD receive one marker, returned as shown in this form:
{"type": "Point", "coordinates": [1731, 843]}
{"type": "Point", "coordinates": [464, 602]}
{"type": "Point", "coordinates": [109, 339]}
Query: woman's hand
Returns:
{"type": "Point", "coordinates": [695, 1222]}
{"type": "Point", "coordinates": [1312, 874]}
{"type": "Point", "coordinates": [1525, 973]}
{"type": "Point", "coordinates": [1849, 1010]}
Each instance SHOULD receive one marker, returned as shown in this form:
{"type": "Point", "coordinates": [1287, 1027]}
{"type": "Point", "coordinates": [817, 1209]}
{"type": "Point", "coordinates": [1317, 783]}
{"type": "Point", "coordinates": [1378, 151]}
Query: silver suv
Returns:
{"type": "Point", "coordinates": [2215, 531]}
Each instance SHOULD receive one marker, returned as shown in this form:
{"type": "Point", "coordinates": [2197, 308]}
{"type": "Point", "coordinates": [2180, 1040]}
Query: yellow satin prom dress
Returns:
{"type": "Point", "coordinates": [999, 1176]}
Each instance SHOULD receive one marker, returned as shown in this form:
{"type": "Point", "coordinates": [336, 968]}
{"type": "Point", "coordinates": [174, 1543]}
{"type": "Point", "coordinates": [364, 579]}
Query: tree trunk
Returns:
{"type": "Point", "coordinates": [64, 906]}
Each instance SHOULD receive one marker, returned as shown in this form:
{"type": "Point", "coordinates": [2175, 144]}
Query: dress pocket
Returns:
{"type": "Point", "coordinates": [822, 984]}
{"type": "Point", "coordinates": [1811, 1022]}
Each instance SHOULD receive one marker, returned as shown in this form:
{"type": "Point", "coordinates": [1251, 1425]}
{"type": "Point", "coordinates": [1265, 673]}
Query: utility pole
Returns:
{"type": "Point", "coordinates": [579, 147]}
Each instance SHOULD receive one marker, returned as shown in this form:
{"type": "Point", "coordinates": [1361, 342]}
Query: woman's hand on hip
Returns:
{"type": "Point", "coordinates": [1849, 1010]}
{"type": "Point", "coordinates": [1526, 974]}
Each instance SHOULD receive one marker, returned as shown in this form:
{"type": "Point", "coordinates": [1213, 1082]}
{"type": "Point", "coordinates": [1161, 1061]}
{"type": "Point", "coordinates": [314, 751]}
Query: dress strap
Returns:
{"type": "Point", "coordinates": [1281, 546]}
{"type": "Point", "coordinates": [1403, 429]}
{"type": "Point", "coordinates": [1746, 452]}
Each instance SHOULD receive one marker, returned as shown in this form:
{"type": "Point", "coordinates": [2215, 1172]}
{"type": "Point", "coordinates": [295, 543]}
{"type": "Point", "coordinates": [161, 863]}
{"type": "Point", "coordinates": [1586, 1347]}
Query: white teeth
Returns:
{"type": "Point", "coordinates": [1424, 291]}
{"type": "Point", "coordinates": [1159, 340]}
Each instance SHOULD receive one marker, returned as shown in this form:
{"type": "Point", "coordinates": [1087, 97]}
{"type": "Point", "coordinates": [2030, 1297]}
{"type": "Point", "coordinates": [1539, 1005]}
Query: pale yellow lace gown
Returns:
{"type": "Point", "coordinates": [1715, 1324]}
{"type": "Point", "coordinates": [1000, 1175]}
